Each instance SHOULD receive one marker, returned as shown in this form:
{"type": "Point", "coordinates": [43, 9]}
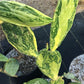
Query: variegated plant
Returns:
{"type": "Point", "coordinates": [17, 20]}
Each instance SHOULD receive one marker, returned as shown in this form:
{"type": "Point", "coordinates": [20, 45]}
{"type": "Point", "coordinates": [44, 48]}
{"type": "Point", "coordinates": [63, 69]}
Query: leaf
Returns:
{"type": "Point", "coordinates": [49, 63]}
{"type": "Point", "coordinates": [22, 38]}
{"type": "Point", "coordinates": [3, 58]}
{"type": "Point", "coordinates": [37, 81]}
{"type": "Point", "coordinates": [22, 15]}
{"type": "Point", "coordinates": [11, 67]}
{"type": "Point", "coordinates": [62, 22]}
{"type": "Point", "coordinates": [58, 81]}
{"type": "Point", "coordinates": [69, 75]}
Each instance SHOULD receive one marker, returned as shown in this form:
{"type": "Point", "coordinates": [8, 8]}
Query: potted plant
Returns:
{"type": "Point", "coordinates": [16, 20]}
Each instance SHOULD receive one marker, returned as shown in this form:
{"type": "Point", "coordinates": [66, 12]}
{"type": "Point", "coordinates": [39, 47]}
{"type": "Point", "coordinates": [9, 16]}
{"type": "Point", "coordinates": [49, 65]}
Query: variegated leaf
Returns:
{"type": "Point", "coordinates": [11, 67]}
{"type": "Point", "coordinates": [58, 81]}
{"type": "Point", "coordinates": [49, 63]}
{"type": "Point", "coordinates": [62, 22]}
{"type": "Point", "coordinates": [37, 81]}
{"type": "Point", "coordinates": [22, 38]}
{"type": "Point", "coordinates": [22, 15]}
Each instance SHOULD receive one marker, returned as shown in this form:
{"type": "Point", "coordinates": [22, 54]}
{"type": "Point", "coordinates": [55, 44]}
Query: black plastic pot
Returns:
{"type": "Point", "coordinates": [72, 46]}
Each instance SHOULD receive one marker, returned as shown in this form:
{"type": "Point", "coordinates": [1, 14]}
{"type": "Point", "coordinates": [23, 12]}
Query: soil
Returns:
{"type": "Point", "coordinates": [27, 63]}
{"type": "Point", "coordinates": [77, 67]}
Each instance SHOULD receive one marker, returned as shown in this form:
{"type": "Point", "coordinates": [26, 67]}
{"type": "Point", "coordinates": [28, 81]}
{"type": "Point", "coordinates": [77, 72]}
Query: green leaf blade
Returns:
{"type": "Point", "coordinates": [3, 58]}
{"type": "Point", "coordinates": [62, 22]}
{"type": "Point", "coordinates": [49, 63]}
{"type": "Point", "coordinates": [37, 81]}
{"type": "Point", "coordinates": [11, 67]}
{"type": "Point", "coordinates": [22, 38]}
{"type": "Point", "coordinates": [69, 75]}
{"type": "Point", "coordinates": [22, 15]}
